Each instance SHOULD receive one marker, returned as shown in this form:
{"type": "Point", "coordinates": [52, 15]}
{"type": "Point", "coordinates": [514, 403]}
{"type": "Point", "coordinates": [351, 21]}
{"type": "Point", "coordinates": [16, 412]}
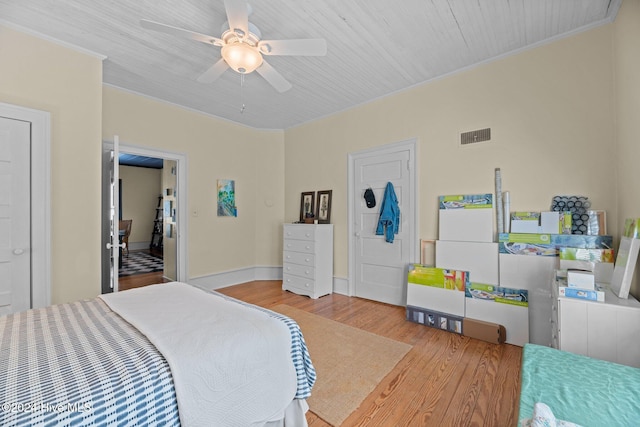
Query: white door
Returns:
{"type": "Point", "coordinates": [110, 208]}
{"type": "Point", "coordinates": [378, 267]}
{"type": "Point", "coordinates": [15, 215]}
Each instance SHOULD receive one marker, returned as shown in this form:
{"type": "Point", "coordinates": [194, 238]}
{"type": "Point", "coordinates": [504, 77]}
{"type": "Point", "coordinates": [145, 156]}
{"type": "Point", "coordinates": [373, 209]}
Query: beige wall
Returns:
{"type": "Point", "coordinates": [215, 149]}
{"type": "Point", "coordinates": [550, 111]}
{"type": "Point", "coordinates": [627, 78]}
{"type": "Point", "coordinates": [44, 76]}
{"type": "Point", "coordinates": [140, 190]}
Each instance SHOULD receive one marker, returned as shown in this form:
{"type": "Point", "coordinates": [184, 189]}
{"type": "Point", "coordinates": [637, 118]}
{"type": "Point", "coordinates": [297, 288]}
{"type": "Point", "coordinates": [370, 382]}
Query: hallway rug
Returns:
{"type": "Point", "coordinates": [139, 263]}
{"type": "Point", "coordinates": [349, 362]}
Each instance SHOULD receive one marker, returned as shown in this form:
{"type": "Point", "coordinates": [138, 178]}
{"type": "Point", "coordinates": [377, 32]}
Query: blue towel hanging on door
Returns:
{"type": "Point", "coordinates": [389, 222]}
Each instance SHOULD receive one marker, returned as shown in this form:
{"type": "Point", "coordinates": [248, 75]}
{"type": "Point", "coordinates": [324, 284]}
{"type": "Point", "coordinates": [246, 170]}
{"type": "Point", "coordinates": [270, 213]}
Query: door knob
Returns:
{"type": "Point", "coordinates": [123, 245]}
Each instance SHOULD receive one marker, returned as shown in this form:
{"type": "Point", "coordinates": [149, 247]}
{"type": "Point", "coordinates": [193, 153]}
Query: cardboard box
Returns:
{"type": "Point", "coordinates": [434, 319]}
{"type": "Point", "coordinates": [486, 331]}
{"type": "Point", "coordinates": [549, 244]}
{"type": "Point", "coordinates": [533, 273]}
{"type": "Point", "coordinates": [437, 289]}
{"type": "Point", "coordinates": [586, 294]}
{"type": "Point", "coordinates": [432, 298]}
{"type": "Point", "coordinates": [550, 222]}
{"type": "Point", "coordinates": [466, 218]}
{"type": "Point", "coordinates": [515, 318]}
{"type": "Point", "coordinates": [497, 294]}
{"type": "Point", "coordinates": [581, 279]}
{"type": "Point", "coordinates": [444, 278]}
{"type": "Point", "coordinates": [525, 222]}
{"type": "Point", "coordinates": [480, 259]}
{"type": "Point", "coordinates": [625, 265]}
{"type": "Point", "coordinates": [584, 259]}
{"type": "Point", "coordinates": [504, 306]}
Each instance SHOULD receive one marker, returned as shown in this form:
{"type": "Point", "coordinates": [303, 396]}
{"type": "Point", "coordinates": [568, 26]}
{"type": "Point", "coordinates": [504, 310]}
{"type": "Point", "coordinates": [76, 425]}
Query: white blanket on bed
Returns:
{"type": "Point", "coordinates": [231, 364]}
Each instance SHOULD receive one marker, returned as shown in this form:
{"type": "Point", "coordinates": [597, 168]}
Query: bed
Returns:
{"type": "Point", "coordinates": [562, 388]}
{"type": "Point", "coordinates": [168, 354]}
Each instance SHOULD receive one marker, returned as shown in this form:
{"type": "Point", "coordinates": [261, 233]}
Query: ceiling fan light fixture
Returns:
{"type": "Point", "coordinates": [241, 57]}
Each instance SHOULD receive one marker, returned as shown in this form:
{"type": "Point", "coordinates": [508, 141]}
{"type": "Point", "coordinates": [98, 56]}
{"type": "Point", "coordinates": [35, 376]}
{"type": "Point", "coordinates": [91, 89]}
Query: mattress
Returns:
{"type": "Point", "coordinates": [579, 389]}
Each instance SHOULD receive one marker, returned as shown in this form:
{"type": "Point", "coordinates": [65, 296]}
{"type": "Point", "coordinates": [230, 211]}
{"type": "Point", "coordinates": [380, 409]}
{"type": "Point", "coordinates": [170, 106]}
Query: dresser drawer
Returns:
{"type": "Point", "coordinates": [299, 258]}
{"type": "Point", "coordinates": [299, 246]}
{"type": "Point", "coordinates": [294, 282]}
{"type": "Point", "coordinates": [299, 270]}
{"type": "Point", "coordinates": [299, 232]}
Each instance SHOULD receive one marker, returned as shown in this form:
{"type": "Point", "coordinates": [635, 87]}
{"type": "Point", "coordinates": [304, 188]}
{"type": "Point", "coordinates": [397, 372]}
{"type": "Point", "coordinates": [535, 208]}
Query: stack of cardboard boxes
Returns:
{"type": "Point", "coordinates": [465, 249]}
{"type": "Point", "coordinates": [507, 283]}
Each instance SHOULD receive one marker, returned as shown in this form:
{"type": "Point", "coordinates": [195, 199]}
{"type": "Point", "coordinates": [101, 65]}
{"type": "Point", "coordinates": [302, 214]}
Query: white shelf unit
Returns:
{"type": "Point", "coordinates": [307, 266]}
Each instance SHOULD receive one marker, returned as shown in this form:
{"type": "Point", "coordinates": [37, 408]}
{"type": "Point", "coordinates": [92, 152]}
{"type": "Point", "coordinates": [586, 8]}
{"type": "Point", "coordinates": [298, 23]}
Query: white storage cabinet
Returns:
{"type": "Point", "coordinates": [307, 264]}
{"type": "Point", "coordinates": [606, 330]}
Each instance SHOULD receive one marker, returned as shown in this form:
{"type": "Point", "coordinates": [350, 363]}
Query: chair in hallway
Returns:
{"type": "Point", "coordinates": [125, 231]}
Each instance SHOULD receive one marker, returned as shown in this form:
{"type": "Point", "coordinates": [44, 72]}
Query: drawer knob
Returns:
{"type": "Point", "coordinates": [307, 259]}
{"type": "Point", "coordinates": [306, 284]}
{"type": "Point", "coordinates": [307, 247]}
{"type": "Point", "coordinates": [308, 235]}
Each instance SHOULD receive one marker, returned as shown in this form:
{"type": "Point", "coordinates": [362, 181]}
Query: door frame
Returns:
{"type": "Point", "coordinates": [181, 212]}
{"type": "Point", "coordinates": [412, 146]}
{"type": "Point", "coordinates": [40, 199]}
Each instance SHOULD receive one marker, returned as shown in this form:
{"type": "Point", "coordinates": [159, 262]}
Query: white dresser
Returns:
{"type": "Point", "coordinates": [307, 262]}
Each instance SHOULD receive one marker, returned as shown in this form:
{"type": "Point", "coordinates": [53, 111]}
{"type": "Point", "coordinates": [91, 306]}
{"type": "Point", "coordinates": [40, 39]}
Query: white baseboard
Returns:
{"type": "Point", "coordinates": [249, 274]}
{"type": "Point", "coordinates": [137, 246]}
{"type": "Point", "coordinates": [235, 277]}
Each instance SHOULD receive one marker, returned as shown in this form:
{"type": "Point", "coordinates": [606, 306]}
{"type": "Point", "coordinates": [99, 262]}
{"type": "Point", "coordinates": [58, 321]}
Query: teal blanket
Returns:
{"type": "Point", "coordinates": [579, 389]}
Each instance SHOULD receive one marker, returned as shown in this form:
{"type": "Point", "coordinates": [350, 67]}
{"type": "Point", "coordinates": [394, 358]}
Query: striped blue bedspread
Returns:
{"type": "Point", "coordinates": [81, 364]}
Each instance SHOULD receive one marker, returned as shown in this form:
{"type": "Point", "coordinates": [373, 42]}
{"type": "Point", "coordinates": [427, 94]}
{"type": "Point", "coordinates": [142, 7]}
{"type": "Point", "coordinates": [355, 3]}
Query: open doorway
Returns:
{"type": "Point", "coordinates": [147, 216]}
{"type": "Point", "coordinates": [151, 192]}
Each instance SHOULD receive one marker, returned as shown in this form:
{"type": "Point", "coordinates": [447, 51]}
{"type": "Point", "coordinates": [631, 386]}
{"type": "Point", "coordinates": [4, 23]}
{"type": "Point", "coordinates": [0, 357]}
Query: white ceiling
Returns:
{"type": "Point", "coordinates": [375, 47]}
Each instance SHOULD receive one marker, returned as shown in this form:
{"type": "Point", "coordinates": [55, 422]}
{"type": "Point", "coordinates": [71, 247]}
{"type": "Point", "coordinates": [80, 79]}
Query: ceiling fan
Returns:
{"type": "Point", "coordinates": [242, 47]}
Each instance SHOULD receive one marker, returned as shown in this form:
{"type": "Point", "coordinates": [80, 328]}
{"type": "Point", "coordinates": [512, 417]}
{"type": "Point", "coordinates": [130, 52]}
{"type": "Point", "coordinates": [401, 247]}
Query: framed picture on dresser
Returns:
{"type": "Point", "coordinates": [307, 205]}
{"type": "Point", "coordinates": [324, 207]}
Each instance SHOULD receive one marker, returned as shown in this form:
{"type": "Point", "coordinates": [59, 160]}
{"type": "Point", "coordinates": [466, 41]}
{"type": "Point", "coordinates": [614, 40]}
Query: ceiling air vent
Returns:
{"type": "Point", "coordinates": [475, 136]}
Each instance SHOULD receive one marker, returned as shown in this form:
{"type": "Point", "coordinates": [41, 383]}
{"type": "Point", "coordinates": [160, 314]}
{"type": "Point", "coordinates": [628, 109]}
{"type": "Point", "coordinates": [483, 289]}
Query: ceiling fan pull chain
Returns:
{"type": "Point", "coordinates": [241, 92]}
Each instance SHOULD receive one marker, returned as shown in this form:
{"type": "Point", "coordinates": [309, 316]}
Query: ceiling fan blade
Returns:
{"type": "Point", "coordinates": [273, 77]}
{"type": "Point", "coordinates": [302, 47]}
{"type": "Point", "coordinates": [180, 32]}
{"type": "Point", "coordinates": [238, 15]}
{"type": "Point", "coordinates": [213, 72]}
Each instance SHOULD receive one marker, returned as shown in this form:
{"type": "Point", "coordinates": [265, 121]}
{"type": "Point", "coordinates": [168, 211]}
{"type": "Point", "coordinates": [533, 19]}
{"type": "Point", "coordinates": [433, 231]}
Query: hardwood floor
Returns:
{"type": "Point", "coordinates": [139, 280]}
{"type": "Point", "coordinates": [444, 380]}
